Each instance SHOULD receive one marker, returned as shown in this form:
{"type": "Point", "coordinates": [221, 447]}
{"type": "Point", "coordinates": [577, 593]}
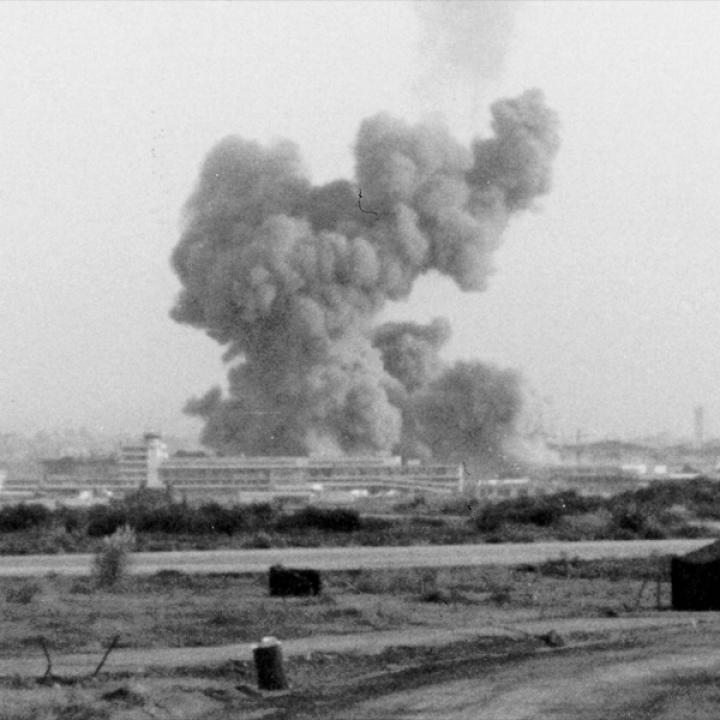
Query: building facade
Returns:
{"type": "Point", "coordinates": [139, 464]}
{"type": "Point", "coordinates": [199, 476]}
{"type": "Point", "coordinates": [251, 478]}
{"type": "Point", "coordinates": [68, 476]}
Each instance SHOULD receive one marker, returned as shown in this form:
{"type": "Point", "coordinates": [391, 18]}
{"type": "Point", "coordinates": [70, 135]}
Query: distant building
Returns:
{"type": "Point", "coordinates": [138, 464]}
{"type": "Point", "coordinates": [495, 489]}
{"type": "Point", "coordinates": [244, 479]}
{"type": "Point", "coordinates": [69, 476]}
{"type": "Point", "coordinates": [199, 476]}
{"type": "Point", "coordinates": [601, 480]}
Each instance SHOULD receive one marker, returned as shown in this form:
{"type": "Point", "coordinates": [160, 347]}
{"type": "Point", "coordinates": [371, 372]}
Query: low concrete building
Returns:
{"type": "Point", "coordinates": [201, 477]}
{"type": "Point", "coordinates": [496, 489]}
{"type": "Point", "coordinates": [244, 479]}
{"type": "Point", "coordinates": [70, 476]}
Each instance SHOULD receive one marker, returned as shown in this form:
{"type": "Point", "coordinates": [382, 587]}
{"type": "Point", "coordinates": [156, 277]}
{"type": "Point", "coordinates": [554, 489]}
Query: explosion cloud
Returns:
{"type": "Point", "coordinates": [464, 412]}
{"type": "Point", "coordinates": [290, 277]}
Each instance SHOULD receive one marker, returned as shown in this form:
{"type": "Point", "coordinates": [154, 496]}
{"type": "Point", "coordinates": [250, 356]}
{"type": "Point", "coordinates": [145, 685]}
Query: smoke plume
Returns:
{"type": "Point", "coordinates": [466, 412]}
{"type": "Point", "coordinates": [289, 277]}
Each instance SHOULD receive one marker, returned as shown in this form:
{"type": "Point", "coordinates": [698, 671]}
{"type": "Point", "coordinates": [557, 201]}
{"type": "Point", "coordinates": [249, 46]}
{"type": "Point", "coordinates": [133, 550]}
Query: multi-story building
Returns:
{"type": "Point", "coordinates": [69, 476]}
{"type": "Point", "coordinates": [199, 476]}
{"type": "Point", "coordinates": [138, 464]}
{"type": "Point", "coordinates": [248, 478]}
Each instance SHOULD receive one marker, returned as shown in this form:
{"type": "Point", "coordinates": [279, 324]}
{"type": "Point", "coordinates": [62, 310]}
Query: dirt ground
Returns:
{"type": "Point", "coordinates": [173, 610]}
{"type": "Point", "coordinates": [372, 645]}
{"type": "Point", "coordinates": [663, 675]}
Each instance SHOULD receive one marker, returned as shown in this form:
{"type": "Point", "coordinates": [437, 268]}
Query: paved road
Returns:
{"type": "Point", "coordinates": [219, 561]}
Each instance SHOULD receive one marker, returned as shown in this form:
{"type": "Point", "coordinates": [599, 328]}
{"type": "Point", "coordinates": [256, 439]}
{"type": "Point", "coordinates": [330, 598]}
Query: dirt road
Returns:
{"type": "Point", "coordinates": [33, 662]}
{"type": "Point", "coordinates": [345, 558]}
{"type": "Point", "coordinates": [674, 677]}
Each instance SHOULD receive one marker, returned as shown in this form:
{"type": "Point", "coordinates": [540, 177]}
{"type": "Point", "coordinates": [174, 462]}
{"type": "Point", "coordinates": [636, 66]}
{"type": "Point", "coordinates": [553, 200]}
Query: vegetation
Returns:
{"type": "Point", "coordinates": [111, 561]}
{"type": "Point", "coordinates": [672, 509]}
{"type": "Point", "coordinates": [174, 609]}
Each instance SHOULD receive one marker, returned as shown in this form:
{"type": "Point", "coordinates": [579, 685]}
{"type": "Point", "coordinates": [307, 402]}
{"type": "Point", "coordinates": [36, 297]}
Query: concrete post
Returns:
{"type": "Point", "coordinates": [269, 664]}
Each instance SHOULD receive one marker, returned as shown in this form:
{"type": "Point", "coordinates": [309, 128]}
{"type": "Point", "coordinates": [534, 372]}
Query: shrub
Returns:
{"type": "Point", "coordinates": [105, 520]}
{"type": "Point", "coordinates": [23, 594]}
{"type": "Point", "coordinates": [501, 595]}
{"type": "Point", "coordinates": [214, 518]}
{"type": "Point", "coordinates": [325, 519]}
{"type": "Point", "coordinates": [459, 506]}
{"type": "Point", "coordinates": [81, 586]}
{"type": "Point", "coordinates": [23, 517]}
{"type": "Point", "coordinates": [71, 519]}
{"type": "Point", "coordinates": [512, 534]}
{"type": "Point", "coordinates": [110, 562]}
{"type": "Point", "coordinates": [259, 541]}
{"type": "Point", "coordinates": [540, 511]}
{"type": "Point", "coordinates": [377, 524]}
{"type": "Point", "coordinates": [586, 526]}
{"type": "Point", "coordinates": [173, 518]}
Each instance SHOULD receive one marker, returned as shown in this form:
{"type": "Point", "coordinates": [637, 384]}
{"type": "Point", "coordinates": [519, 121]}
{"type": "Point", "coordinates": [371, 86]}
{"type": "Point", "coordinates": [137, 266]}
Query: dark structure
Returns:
{"type": "Point", "coordinates": [696, 579]}
{"type": "Point", "coordinates": [269, 665]}
{"type": "Point", "coordinates": [286, 582]}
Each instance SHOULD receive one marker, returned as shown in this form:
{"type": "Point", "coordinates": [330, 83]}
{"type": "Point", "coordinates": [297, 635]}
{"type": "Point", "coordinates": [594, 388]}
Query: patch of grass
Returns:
{"type": "Point", "coordinates": [82, 712]}
{"type": "Point", "coordinates": [82, 586]}
{"type": "Point", "coordinates": [393, 582]}
{"type": "Point", "coordinates": [22, 594]}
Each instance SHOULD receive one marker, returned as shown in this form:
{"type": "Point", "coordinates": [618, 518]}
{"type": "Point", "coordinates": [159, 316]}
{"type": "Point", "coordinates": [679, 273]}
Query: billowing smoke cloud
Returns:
{"type": "Point", "coordinates": [467, 38]}
{"type": "Point", "coordinates": [410, 351]}
{"type": "Point", "coordinates": [468, 413]}
{"type": "Point", "coordinates": [465, 412]}
{"type": "Point", "coordinates": [289, 277]}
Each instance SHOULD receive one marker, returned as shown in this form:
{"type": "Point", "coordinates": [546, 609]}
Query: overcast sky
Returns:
{"type": "Point", "coordinates": [605, 296]}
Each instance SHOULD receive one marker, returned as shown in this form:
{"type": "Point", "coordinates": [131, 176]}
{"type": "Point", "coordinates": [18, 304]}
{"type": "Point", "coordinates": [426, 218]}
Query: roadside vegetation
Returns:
{"type": "Point", "coordinates": [174, 609]}
{"type": "Point", "coordinates": [675, 509]}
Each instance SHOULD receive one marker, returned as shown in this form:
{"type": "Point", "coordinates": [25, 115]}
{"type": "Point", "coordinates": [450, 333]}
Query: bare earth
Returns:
{"type": "Point", "coordinates": [372, 646]}
{"type": "Point", "coordinates": [674, 676]}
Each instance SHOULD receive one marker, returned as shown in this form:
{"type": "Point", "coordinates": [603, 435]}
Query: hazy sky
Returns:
{"type": "Point", "coordinates": [605, 297]}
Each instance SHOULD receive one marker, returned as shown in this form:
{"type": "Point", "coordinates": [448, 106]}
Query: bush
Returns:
{"type": "Point", "coordinates": [214, 518]}
{"type": "Point", "coordinates": [110, 562]}
{"type": "Point", "coordinates": [325, 519]}
{"type": "Point", "coordinates": [512, 534]}
{"type": "Point", "coordinates": [23, 517]}
{"type": "Point", "coordinates": [23, 594]}
{"type": "Point", "coordinates": [105, 520]}
{"type": "Point", "coordinates": [540, 511]}
{"type": "Point", "coordinates": [259, 541]}
{"type": "Point", "coordinates": [72, 520]}
{"type": "Point", "coordinates": [587, 526]}
{"type": "Point", "coordinates": [81, 586]}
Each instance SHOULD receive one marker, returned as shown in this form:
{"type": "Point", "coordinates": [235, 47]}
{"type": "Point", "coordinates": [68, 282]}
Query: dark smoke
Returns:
{"type": "Point", "coordinates": [290, 277]}
{"type": "Point", "coordinates": [465, 412]}
{"type": "Point", "coordinates": [468, 413]}
{"type": "Point", "coordinates": [410, 351]}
